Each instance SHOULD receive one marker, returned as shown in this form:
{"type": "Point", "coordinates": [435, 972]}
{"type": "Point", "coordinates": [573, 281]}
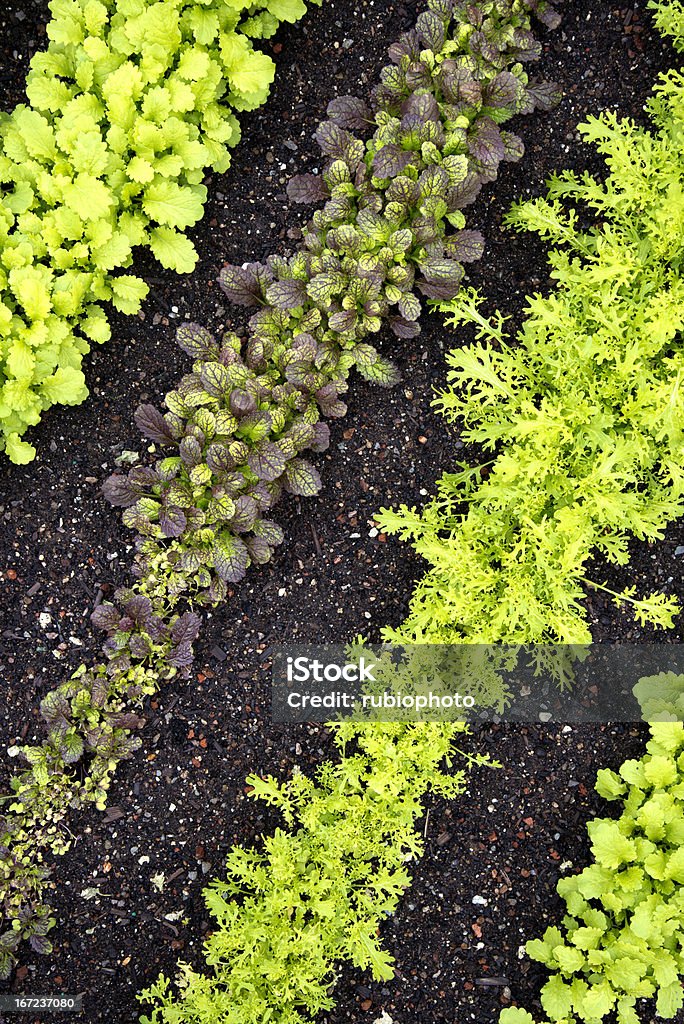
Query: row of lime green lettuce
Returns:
{"type": "Point", "coordinates": [129, 105]}
{"type": "Point", "coordinates": [622, 938]}
{"type": "Point", "coordinates": [316, 894]}
{"type": "Point", "coordinates": [236, 425]}
{"type": "Point", "coordinates": [583, 416]}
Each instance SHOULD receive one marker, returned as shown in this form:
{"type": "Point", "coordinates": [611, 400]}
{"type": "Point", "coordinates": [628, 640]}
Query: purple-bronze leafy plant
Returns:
{"type": "Point", "coordinates": [390, 232]}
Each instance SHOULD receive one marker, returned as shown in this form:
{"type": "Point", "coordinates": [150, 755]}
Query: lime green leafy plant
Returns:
{"type": "Point", "coordinates": [130, 103]}
{"type": "Point", "coordinates": [319, 889]}
{"type": "Point", "coordinates": [584, 417]}
{"type": "Point", "coordinates": [623, 935]}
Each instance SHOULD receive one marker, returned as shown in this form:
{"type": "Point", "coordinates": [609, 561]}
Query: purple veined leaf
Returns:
{"type": "Point", "coordinates": [190, 561]}
{"type": "Point", "coordinates": [234, 481]}
{"type": "Point", "coordinates": [266, 461]}
{"type": "Point", "coordinates": [219, 459]}
{"type": "Point", "coordinates": [118, 491]}
{"type": "Point", "coordinates": [270, 532]}
{"type": "Point", "coordinates": [217, 591]}
{"type": "Point", "coordinates": [139, 646]}
{"type": "Point", "coordinates": [393, 80]}
{"type": "Point", "coordinates": [332, 139]}
{"type": "Point", "coordinates": [339, 208]}
{"type": "Point", "coordinates": [408, 46]}
{"type": "Point", "coordinates": [287, 294]}
{"type": "Point", "coordinates": [323, 286]}
{"type": "Point", "coordinates": [514, 147]}
{"type": "Point", "coordinates": [344, 321]}
{"type": "Point", "coordinates": [548, 15]}
{"type": "Point", "coordinates": [434, 181]}
{"type": "Point", "coordinates": [524, 45]}
{"type": "Point", "coordinates": [503, 92]}
{"type": "Point", "coordinates": [466, 246]}
{"type": "Point", "coordinates": [302, 478]}
{"type": "Point", "coordinates": [256, 353]}
{"type": "Point", "coordinates": [139, 609]}
{"type": "Point", "coordinates": [422, 105]}
{"type": "Point", "coordinates": [442, 292]}
{"type": "Point", "coordinates": [351, 113]}
{"type": "Point", "coordinates": [385, 99]}
{"type": "Point", "coordinates": [186, 628]}
{"type": "Point", "coordinates": [390, 161]}
{"type": "Point", "coordinates": [459, 85]}
{"type": "Point", "coordinates": [337, 174]}
{"type": "Point", "coordinates": [482, 46]}
{"type": "Point", "coordinates": [409, 306]}
{"type": "Point", "coordinates": [305, 345]}
{"type": "Point", "coordinates": [197, 342]}
{"type": "Point", "coordinates": [231, 558]}
{"type": "Point", "coordinates": [242, 403]}
{"type": "Point", "coordinates": [196, 519]}
{"type": "Point", "coordinates": [328, 393]}
{"type": "Point", "coordinates": [321, 439]}
{"type": "Point", "coordinates": [172, 521]}
{"type": "Point", "coordinates": [444, 8]}
{"type": "Point", "coordinates": [307, 189]}
{"type": "Point", "coordinates": [190, 451]}
{"type": "Point", "coordinates": [246, 514]}
{"type": "Point", "coordinates": [152, 425]}
{"type": "Point", "coordinates": [126, 720]}
{"type": "Point", "coordinates": [485, 144]}
{"type": "Point", "coordinates": [106, 616]}
{"type": "Point", "coordinates": [261, 420]}
{"type": "Point", "coordinates": [99, 691]}
{"type": "Point", "coordinates": [418, 76]}
{"type": "Point", "coordinates": [426, 230]}
{"type": "Point", "coordinates": [300, 435]}
{"type": "Point", "coordinates": [242, 285]}
{"type": "Point", "coordinates": [298, 372]}
{"type": "Point", "coordinates": [55, 709]}
{"type": "Point", "coordinates": [40, 944]}
{"type": "Point", "coordinates": [266, 495]}
{"type": "Point", "coordinates": [403, 190]}
{"type": "Point", "coordinates": [119, 665]}
{"type": "Point", "coordinates": [220, 509]}
{"type": "Point", "coordinates": [260, 550]}
{"type": "Point", "coordinates": [334, 409]}
{"type": "Point", "coordinates": [156, 628]}
{"type": "Point", "coordinates": [545, 95]}
{"type": "Point", "coordinates": [444, 275]}
{"type": "Point", "coordinates": [430, 30]}
{"type": "Point", "coordinates": [181, 656]}
{"type": "Point", "coordinates": [465, 193]}
{"type": "Point", "coordinates": [365, 355]}
{"type": "Point", "coordinates": [215, 379]}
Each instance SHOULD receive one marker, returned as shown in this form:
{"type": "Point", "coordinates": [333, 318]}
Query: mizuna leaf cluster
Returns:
{"type": "Point", "coordinates": [235, 428]}
{"type": "Point", "coordinates": [317, 892]}
{"type": "Point", "coordinates": [130, 103]}
{"type": "Point", "coordinates": [623, 935]}
{"type": "Point", "coordinates": [584, 416]}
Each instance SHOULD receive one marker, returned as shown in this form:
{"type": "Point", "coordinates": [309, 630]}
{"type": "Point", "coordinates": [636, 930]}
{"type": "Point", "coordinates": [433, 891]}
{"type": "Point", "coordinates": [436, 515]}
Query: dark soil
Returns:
{"type": "Point", "coordinates": [178, 806]}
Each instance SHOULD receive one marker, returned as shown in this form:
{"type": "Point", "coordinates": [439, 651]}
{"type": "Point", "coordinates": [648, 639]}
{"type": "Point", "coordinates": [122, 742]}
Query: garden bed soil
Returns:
{"type": "Point", "coordinates": [178, 806]}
